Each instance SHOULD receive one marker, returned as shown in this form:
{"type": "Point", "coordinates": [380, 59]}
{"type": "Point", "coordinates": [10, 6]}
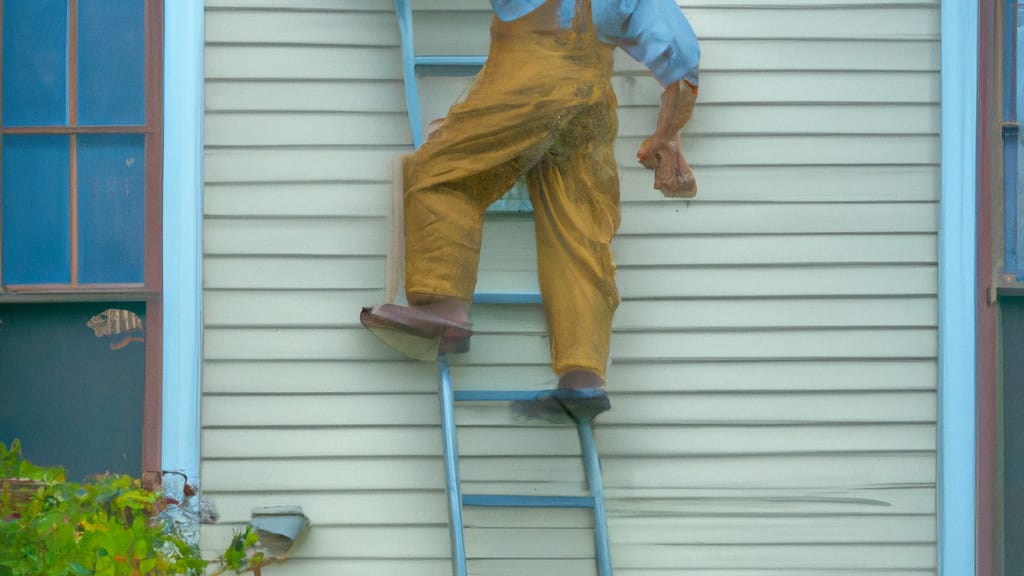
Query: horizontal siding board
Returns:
{"type": "Point", "coordinates": [830, 119]}
{"type": "Point", "coordinates": [360, 377]}
{"type": "Point", "coordinates": [291, 164]}
{"type": "Point", "coordinates": [885, 90]}
{"type": "Point", "coordinates": [724, 314]}
{"type": "Point", "coordinates": [445, 32]}
{"type": "Point", "coordinates": [342, 273]}
{"type": "Point", "coordinates": [834, 557]}
{"type": "Point", "coordinates": [420, 542]}
{"type": "Point", "coordinates": [701, 218]}
{"type": "Point", "coordinates": [343, 162]}
{"type": "Point", "coordinates": [266, 165]}
{"type": "Point", "coordinates": [430, 507]}
{"type": "Point", "coordinates": [823, 55]}
{"type": "Point", "coordinates": [782, 530]}
{"type": "Point", "coordinates": [755, 88]}
{"type": "Point", "coordinates": [382, 63]}
{"type": "Point", "coordinates": [798, 149]}
{"type": "Point", "coordinates": [767, 282]}
{"type": "Point", "coordinates": [350, 128]}
{"type": "Point", "coordinates": [653, 409]}
{"type": "Point", "coordinates": [778, 184]}
{"type": "Point", "coordinates": [559, 476]}
{"type": "Point", "coordinates": [254, 62]}
{"type": "Point", "coordinates": [640, 250]}
{"type": "Point", "coordinates": [368, 236]}
{"type": "Point", "coordinates": [322, 199]}
{"type": "Point", "coordinates": [308, 308]}
{"type": "Point", "coordinates": [275, 95]}
{"type": "Point", "coordinates": [305, 237]}
{"type": "Point", "coordinates": [790, 343]}
{"type": "Point", "coordinates": [675, 442]}
{"type": "Point", "coordinates": [317, 377]}
{"type": "Point", "coordinates": [319, 27]}
{"type": "Point", "coordinates": [861, 23]}
{"type": "Point", "coordinates": [880, 183]}
{"type": "Point", "coordinates": [836, 43]}
{"type": "Point", "coordinates": [309, 129]}
{"type": "Point", "coordinates": [356, 344]}
{"type": "Point", "coordinates": [774, 375]}
{"type": "Point", "coordinates": [794, 87]}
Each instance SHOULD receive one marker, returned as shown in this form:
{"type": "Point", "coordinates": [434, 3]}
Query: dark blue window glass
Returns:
{"type": "Point", "coordinates": [35, 62]}
{"type": "Point", "coordinates": [111, 208]}
{"type": "Point", "coordinates": [111, 64]}
{"type": "Point", "coordinates": [36, 218]}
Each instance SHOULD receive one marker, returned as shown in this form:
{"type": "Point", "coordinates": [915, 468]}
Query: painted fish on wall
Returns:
{"type": "Point", "coordinates": [121, 326]}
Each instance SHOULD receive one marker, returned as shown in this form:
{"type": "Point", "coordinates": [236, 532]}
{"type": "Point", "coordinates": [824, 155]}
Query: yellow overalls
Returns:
{"type": "Point", "coordinates": [543, 107]}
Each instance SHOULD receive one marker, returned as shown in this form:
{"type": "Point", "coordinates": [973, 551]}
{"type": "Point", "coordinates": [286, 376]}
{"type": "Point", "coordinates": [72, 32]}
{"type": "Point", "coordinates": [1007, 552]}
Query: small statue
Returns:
{"type": "Point", "coordinates": [542, 107]}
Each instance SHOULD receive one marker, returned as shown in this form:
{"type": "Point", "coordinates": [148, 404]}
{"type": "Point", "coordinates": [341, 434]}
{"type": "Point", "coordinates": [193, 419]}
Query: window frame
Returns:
{"type": "Point", "coordinates": [152, 133]}
{"type": "Point", "coordinates": [150, 291]}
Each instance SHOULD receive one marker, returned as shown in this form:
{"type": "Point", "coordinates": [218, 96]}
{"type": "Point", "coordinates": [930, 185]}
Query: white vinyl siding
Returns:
{"type": "Point", "coordinates": [774, 357]}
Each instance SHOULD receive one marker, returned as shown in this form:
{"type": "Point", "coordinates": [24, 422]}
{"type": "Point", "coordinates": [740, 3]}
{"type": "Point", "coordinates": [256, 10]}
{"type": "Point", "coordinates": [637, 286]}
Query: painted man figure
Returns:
{"type": "Point", "coordinates": [543, 107]}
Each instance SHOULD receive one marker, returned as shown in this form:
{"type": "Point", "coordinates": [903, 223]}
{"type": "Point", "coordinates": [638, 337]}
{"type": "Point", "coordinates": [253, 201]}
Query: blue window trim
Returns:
{"type": "Point", "coordinates": [957, 273]}
{"type": "Point", "coordinates": [182, 222]}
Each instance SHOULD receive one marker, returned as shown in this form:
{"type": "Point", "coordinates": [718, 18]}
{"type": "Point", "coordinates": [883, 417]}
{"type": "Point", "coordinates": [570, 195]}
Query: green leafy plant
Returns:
{"type": "Point", "coordinates": [243, 553]}
{"type": "Point", "coordinates": [107, 526]}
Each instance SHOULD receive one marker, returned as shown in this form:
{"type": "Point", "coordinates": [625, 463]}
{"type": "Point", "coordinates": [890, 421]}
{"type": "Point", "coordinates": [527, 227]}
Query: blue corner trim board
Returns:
{"type": "Point", "coordinates": [182, 221]}
{"type": "Point", "coordinates": [957, 275]}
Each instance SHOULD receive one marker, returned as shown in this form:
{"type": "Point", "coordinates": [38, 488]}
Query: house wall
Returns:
{"type": "Point", "coordinates": [774, 359]}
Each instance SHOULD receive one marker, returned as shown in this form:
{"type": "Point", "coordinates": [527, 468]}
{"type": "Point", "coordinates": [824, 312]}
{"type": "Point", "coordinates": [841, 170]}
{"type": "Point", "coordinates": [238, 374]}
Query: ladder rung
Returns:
{"type": "Point", "coordinates": [468, 61]}
{"type": "Point", "coordinates": [498, 395]}
{"type": "Point", "coordinates": [506, 298]}
{"type": "Point", "coordinates": [515, 501]}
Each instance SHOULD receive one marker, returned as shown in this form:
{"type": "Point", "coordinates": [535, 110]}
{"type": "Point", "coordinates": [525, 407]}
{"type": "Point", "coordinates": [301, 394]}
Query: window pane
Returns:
{"type": "Point", "coordinates": [78, 403]}
{"type": "Point", "coordinates": [111, 64]}
{"type": "Point", "coordinates": [35, 62]}
{"type": "Point", "coordinates": [111, 207]}
{"type": "Point", "coordinates": [36, 213]}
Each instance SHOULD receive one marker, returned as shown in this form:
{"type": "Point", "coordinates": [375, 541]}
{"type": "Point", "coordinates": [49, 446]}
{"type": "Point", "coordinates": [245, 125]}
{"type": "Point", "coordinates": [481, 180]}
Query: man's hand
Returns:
{"type": "Point", "coordinates": [663, 151]}
{"type": "Point", "coordinates": [672, 175]}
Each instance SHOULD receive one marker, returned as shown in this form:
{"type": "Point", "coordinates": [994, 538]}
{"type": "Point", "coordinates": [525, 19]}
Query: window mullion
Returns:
{"type": "Point", "coordinates": [73, 122]}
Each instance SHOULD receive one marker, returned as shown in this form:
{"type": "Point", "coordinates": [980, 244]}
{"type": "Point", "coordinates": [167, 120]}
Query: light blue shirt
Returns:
{"type": "Point", "coordinates": [654, 32]}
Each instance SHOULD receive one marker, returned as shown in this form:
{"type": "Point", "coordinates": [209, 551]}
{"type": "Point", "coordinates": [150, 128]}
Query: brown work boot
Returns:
{"type": "Point", "coordinates": [424, 330]}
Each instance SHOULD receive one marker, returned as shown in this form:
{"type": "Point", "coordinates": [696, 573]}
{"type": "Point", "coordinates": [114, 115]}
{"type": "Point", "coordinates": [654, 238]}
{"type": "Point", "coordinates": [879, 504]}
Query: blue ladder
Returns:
{"type": "Point", "coordinates": [463, 65]}
{"type": "Point", "coordinates": [411, 62]}
{"type": "Point", "coordinates": [456, 499]}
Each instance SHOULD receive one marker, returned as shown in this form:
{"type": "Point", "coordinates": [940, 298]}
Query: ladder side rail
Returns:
{"type": "Point", "coordinates": [592, 467]}
{"type": "Point", "coordinates": [451, 467]}
{"type": "Point", "coordinates": [412, 94]}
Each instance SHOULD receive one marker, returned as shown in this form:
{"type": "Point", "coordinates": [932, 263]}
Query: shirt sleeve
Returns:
{"type": "Point", "coordinates": [509, 10]}
{"type": "Point", "coordinates": [656, 34]}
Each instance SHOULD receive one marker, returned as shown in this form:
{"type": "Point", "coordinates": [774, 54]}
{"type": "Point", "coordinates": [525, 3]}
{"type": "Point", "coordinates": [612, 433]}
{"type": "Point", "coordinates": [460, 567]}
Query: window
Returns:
{"type": "Point", "coordinates": [80, 234]}
{"type": "Point", "coordinates": [77, 177]}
